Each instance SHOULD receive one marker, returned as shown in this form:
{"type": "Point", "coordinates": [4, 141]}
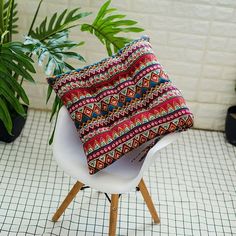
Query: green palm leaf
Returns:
{"type": "Point", "coordinates": [66, 20]}
{"type": "Point", "coordinates": [107, 26]}
{"type": "Point", "coordinates": [5, 115]}
{"type": "Point", "coordinates": [14, 59]}
{"type": "Point", "coordinates": [9, 96]}
{"type": "Point", "coordinates": [10, 16]}
{"type": "Point", "coordinates": [8, 81]}
{"type": "Point", "coordinates": [8, 19]}
{"type": "Point", "coordinates": [13, 56]}
{"type": "Point", "coordinates": [13, 62]}
{"type": "Point", "coordinates": [54, 51]}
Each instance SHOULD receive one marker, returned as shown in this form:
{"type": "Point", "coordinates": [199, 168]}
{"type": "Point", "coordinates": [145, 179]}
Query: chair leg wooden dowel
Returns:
{"type": "Point", "coordinates": [67, 200]}
{"type": "Point", "coordinates": [113, 214]}
{"type": "Point", "coordinates": [148, 200]}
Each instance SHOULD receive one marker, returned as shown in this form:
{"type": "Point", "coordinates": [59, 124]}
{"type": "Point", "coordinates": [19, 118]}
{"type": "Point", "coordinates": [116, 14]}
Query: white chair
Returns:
{"type": "Point", "coordinates": [120, 177]}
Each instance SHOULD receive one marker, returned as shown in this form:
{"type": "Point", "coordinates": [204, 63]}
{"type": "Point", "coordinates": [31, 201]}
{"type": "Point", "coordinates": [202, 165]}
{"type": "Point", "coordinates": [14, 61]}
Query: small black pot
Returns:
{"type": "Point", "coordinates": [18, 123]}
{"type": "Point", "coordinates": [230, 125]}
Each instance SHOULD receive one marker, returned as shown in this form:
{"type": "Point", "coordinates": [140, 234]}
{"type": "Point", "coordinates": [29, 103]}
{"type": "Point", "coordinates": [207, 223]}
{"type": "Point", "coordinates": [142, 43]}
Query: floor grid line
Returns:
{"type": "Point", "coordinates": [192, 184]}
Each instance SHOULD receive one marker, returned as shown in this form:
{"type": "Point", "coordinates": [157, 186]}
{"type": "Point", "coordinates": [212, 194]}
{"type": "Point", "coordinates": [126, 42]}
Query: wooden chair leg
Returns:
{"type": "Point", "coordinates": [148, 200]}
{"type": "Point", "coordinates": [113, 214]}
{"type": "Point", "coordinates": [78, 185]}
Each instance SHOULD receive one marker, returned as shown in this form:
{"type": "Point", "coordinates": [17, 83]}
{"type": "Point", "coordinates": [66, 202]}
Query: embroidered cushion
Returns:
{"type": "Point", "coordinates": [121, 102]}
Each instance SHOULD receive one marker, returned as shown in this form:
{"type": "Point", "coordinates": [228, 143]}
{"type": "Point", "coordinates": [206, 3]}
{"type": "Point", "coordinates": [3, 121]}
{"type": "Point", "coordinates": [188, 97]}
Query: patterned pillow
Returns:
{"type": "Point", "coordinates": [121, 102]}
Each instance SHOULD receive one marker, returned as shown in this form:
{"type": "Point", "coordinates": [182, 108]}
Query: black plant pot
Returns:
{"type": "Point", "coordinates": [230, 125]}
{"type": "Point", "coordinates": [18, 123]}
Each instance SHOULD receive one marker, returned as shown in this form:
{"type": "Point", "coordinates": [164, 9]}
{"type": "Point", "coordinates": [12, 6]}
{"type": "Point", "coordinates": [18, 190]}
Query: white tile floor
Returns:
{"type": "Point", "coordinates": [192, 183]}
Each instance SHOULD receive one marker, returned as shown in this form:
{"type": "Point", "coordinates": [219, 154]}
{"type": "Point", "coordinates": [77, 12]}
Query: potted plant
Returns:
{"type": "Point", "coordinates": [48, 42]}
{"type": "Point", "coordinates": [230, 125]}
{"type": "Point", "coordinates": [14, 64]}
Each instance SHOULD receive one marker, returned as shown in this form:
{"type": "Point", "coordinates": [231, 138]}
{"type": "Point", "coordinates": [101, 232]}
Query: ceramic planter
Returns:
{"type": "Point", "coordinates": [230, 125]}
{"type": "Point", "coordinates": [18, 122]}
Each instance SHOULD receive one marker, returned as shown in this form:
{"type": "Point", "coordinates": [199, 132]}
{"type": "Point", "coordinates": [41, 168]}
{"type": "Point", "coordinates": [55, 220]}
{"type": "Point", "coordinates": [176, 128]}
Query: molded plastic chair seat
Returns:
{"type": "Point", "coordinates": [119, 177]}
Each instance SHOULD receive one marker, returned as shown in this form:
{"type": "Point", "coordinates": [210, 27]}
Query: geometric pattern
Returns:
{"type": "Point", "coordinates": [121, 102]}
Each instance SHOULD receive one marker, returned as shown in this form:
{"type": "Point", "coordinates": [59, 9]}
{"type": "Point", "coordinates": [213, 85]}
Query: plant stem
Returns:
{"type": "Point", "coordinates": [35, 16]}
{"type": "Point", "coordinates": [22, 78]}
{"type": "Point", "coordinates": [9, 38]}
{"type": "Point", "coordinates": [1, 16]}
{"type": "Point", "coordinates": [29, 32]}
{"type": "Point", "coordinates": [7, 22]}
{"type": "Point", "coordinates": [21, 81]}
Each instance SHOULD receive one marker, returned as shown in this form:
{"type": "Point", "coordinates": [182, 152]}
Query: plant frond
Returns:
{"type": "Point", "coordinates": [107, 26]}
{"type": "Point", "coordinates": [13, 62]}
{"type": "Point", "coordinates": [10, 18]}
{"type": "Point", "coordinates": [54, 51]}
{"type": "Point", "coordinates": [5, 115]}
{"type": "Point", "coordinates": [57, 23]}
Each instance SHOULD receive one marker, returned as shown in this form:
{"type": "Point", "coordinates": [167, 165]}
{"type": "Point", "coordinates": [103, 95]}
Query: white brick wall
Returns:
{"type": "Point", "coordinates": [195, 41]}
